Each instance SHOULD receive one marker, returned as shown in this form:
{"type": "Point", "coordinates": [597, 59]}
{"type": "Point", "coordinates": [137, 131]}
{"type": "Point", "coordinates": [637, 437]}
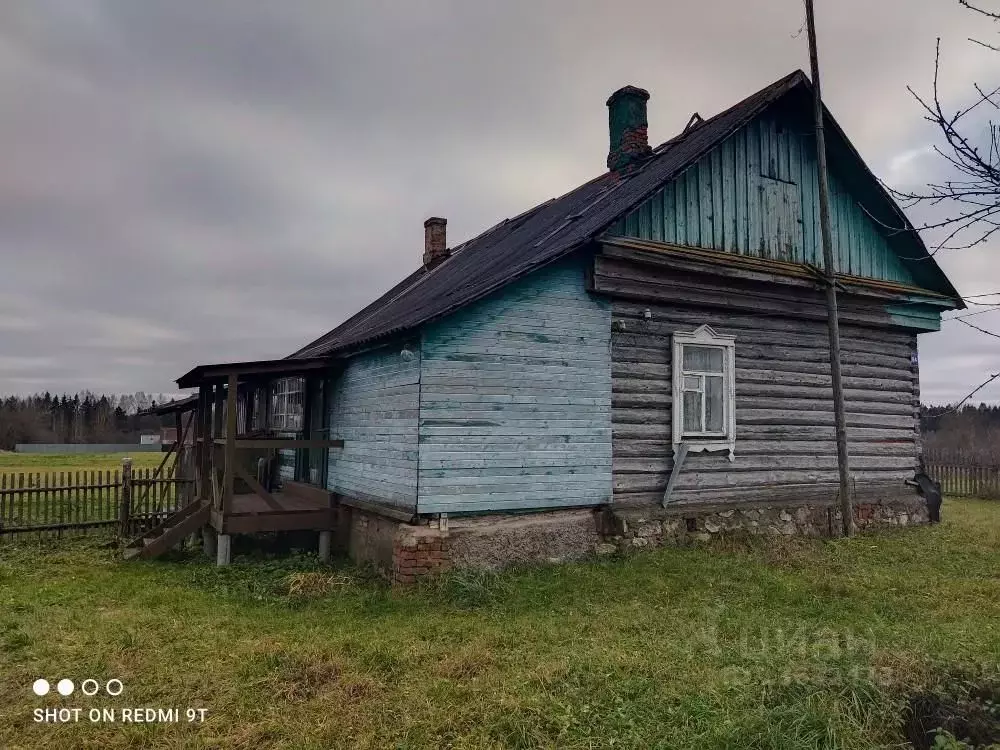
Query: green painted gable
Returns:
{"type": "Point", "coordinates": [756, 194]}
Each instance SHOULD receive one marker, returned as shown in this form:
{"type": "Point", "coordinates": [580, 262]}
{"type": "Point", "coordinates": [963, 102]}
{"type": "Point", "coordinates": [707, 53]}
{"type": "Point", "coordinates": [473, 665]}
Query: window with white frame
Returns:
{"type": "Point", "coordinates": [286, 404]}
{"type": "Point", "coordinates": [704, 393]}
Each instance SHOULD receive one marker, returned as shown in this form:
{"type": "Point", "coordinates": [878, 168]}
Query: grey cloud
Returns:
{"type": "Point", "coordinates": [191, 182]}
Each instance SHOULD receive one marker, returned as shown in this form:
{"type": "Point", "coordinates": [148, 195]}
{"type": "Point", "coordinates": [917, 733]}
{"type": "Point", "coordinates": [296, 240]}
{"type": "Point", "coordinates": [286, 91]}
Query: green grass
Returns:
{"type": "Point", "coordinates": [801, 644]}
{"type": "Point", "coordinates": [12, 463]}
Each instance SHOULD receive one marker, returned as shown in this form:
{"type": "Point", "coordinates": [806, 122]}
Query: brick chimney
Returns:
{"type": "Point", "coordinates": [627, 126]}
{"type": "Point", "coordinates": [435, 241]}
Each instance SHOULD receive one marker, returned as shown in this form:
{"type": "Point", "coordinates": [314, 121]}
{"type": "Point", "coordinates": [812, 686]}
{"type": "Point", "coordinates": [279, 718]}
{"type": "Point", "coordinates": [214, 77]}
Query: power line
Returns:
{"type": "Point", "coordinates": [964, 299]}
{"type": "Point", "coordinates": [981, 330]}
{"type": "Point", "coordinates": [969, 315]}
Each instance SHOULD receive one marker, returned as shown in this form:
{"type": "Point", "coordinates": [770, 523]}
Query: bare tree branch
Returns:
{"type": "Point", "coordinates": [984, 44]}
{"type": "Point", "coordinates": [988, 13]}
{"type": "Point", "coordinates": [958, 406]}
{"type": "Point", "coordinates": [971, 148]}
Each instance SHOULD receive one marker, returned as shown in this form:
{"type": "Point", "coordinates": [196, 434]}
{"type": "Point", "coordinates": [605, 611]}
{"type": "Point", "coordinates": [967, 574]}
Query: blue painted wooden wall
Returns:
{"type": "Point", "coordinates": [515, 399]}
{"type": "Point", "coordinates": [374, 407]}
{"type": "Point", "coordinates": [757, 195]}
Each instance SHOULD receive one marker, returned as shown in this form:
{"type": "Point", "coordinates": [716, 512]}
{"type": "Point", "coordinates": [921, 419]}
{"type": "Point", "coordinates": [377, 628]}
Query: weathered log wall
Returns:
{"type": "Point", "coordinates": [784, 402]}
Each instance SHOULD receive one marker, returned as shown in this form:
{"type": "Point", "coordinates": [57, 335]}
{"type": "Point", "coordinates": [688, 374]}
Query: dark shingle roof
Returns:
{"type": "Point", "coordinates": [518, 246]}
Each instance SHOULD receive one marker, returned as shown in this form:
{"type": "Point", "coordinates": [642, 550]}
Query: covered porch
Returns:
{"type": "Point", "coordinates": [258, 456]}
{"type": "Point", "coordinates": [262, 437]}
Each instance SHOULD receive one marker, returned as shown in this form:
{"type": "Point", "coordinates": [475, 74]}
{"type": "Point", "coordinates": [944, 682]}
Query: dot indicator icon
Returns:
{"type": "Point", "coordinates": [40, 687]}
{"type": "Point", "coordinates": [65, 687]}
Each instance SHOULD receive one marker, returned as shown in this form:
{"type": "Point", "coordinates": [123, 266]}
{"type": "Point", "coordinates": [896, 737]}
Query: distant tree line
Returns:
{"type": "Point", "coordinates": [78, 418]}
{"type": "Point", "coordinates": [972, 432]}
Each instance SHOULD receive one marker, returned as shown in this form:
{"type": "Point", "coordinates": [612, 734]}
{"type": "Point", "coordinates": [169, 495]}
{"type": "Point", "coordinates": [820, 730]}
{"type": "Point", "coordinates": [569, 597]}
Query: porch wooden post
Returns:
{"type": "Point", "coordinates": [205, 446]}
{"type": "Point", "coordinates": [179, 500]}
{"type": "Point", "coordinates": [265, 407]}
{"type": "Point", "coordinates": [217, 412]}
{"type": "Point", "coordinates": [191, 457]}
{"type": "Point", "coordinates": [265, 397]}
{"type": "Point", "coordinates": [302, 455]}
{"type": "Point", "coordinates": [248, 397]}
{"type": "Point", "coordinates": [230, 465]}
{"type": "Point", "coordinates": [194, 459]}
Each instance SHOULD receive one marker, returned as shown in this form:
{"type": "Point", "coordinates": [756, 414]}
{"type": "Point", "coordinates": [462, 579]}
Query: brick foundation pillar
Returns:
{"type": "Point", "coordinates": [419, 552]}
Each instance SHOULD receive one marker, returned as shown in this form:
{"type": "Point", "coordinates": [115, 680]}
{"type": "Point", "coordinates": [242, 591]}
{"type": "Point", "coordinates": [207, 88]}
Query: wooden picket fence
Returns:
{"type": "Point", "coordinates": [961, 477]}
{"type": "Point", "coordinates": [62, 502]}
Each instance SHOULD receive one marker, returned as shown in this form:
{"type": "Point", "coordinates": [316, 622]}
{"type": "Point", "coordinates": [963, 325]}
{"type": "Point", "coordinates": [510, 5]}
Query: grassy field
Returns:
{"type": "Point", "coordinates": [12, 463]}
{"type": "Point", "coordinates": [806, 644]}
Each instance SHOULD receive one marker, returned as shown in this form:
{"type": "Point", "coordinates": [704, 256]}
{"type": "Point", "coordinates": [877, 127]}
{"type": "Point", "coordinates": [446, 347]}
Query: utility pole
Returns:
{"type": "Point", "coordinates": [840, 419]}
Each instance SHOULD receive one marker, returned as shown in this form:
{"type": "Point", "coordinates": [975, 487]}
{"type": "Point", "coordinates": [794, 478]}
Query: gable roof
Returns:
{"type": "Point", "coordinates": [516, 247]}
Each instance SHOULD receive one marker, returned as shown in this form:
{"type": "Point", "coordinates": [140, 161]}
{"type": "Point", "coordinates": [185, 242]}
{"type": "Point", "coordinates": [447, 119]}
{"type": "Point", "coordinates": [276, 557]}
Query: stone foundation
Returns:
{"type": "Point", "coordinates": [408, 552]}
{"type": "Point", "coordinates": [678, 525]}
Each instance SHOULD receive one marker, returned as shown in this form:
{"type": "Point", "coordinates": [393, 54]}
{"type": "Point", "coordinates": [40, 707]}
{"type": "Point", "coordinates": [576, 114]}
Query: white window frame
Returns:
{"type": "Point", "coordinates": [705, 441]}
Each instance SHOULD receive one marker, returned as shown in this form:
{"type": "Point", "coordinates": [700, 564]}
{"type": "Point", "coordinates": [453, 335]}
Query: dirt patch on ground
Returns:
{"type": "Point", "coordinates": [970, 714]}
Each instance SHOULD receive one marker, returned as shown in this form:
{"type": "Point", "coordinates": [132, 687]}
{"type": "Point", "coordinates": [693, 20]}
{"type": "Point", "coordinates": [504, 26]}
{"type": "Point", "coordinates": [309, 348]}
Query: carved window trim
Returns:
{"type": "Point", "coordinates": [721, 440]}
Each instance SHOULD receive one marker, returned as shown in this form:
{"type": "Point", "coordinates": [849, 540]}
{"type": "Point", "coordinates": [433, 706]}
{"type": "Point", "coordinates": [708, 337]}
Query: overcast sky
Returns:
{"type": "Point", "coordinates": [186, 182]}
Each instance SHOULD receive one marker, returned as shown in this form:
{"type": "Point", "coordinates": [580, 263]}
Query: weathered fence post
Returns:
{"type": "Point", "coordinates": [125, 514]}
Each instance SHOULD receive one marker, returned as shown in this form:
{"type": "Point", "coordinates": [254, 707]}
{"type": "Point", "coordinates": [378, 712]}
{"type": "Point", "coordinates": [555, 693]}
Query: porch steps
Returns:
{"type": "Point", "coordinates": [168, 534]}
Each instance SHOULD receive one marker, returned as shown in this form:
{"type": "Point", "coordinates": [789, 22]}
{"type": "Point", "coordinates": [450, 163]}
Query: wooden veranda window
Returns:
{"type": "Point", "coordinates": [287, 399]}
{"type": "Point", "coordinates": [298, 410]}
{"type": "Point", "coordinates": [313, 461]}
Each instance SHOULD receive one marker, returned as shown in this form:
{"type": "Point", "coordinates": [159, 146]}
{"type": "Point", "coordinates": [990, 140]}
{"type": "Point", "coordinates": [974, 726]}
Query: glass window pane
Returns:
{"type": "Point", "coordinates": [692, 383]}
{"type": "Point", "coordinates": [714, 405]}
{"type": "Point", "coordinates": [692, 411]}
{"type": "Point", "coordinates": [703, 358]}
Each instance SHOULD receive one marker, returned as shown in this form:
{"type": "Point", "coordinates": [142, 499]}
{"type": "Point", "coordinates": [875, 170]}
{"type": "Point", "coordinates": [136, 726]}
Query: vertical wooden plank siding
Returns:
{"type": "Point", "coordinates": [374, 405]}
{"type": "Point", "coordinates": [784, 401]}
{"type": "Point", "coordinates": [764, 174]}
{"type": "Point", "coordinates": [515, 399]}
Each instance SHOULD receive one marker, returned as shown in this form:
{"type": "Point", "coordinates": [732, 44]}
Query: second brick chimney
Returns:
{"type": "Point", "coordinates": [435, 241]}
{"type": "Point", "coordinates": [627, 126]}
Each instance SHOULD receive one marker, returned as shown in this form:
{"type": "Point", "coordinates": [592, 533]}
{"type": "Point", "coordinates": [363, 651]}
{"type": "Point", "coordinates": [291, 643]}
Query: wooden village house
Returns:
{"type": "Point", "coordinates": [530, 393]}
